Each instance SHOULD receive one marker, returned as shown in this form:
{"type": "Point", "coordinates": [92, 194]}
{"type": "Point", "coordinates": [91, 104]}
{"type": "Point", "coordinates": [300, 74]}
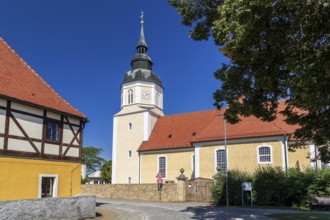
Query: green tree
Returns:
{"type": "Point", "coordinates": [91, 157]}
{"type": "Point", "coordinates": [106, 171]}
{"type": "Point", "coordinates": [278, 50]}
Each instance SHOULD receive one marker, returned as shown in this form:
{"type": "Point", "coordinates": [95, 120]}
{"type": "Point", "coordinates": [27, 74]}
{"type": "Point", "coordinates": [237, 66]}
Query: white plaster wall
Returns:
{"type": "Point", "coordinates": [74, 121]}
{"type": "Point", "coordinates": [2, 120]}
{"type": "Point", "coordinates": [68, 135]}
{"type": "Point", "coordinates": [31, 125]}
{"type": "Point", "coordinates": [3, 102]}
{"type": "Point", "coordinates": [52, 149]}
{"type": "Point", "coordinates": [73, 152]}
{"type": "Point", "coordinates": [1, 143]}
{"type": "Point", "coordinates": [21, 145]}
{"type": "Point", "coordinates": [53, 116]}
{"type": "Point", "coordinates": [26, 108]}
{"type": "Point", "coordinates": [128, 140]}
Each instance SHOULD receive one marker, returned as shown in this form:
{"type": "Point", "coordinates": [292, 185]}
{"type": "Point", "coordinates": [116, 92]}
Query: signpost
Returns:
{"type": "Point", "coordinates": [246, 186]}
{"type": "Point", "coordinates": [160, 184]}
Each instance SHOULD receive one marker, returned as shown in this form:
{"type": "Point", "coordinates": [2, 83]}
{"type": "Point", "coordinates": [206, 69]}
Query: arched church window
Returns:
{"type": "Point", "coordinates": [221, 159]}
{"type": "Point", "coordinates": [162, 165]}
{"type": "Point", "coordinates": [264, 154]}
{"type": "Point", "coordinates": [130, 96]}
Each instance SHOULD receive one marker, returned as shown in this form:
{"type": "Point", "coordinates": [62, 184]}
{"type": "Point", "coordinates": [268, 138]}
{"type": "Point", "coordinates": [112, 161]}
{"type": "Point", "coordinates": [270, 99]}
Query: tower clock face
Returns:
{"type": "Point", "coordinates": [145, 94]}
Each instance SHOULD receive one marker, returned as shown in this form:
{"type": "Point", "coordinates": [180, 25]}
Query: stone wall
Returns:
{"type": "Point", "coordinates": [147, 192]}
{"type": "Point", "coordinates": [80, 207]}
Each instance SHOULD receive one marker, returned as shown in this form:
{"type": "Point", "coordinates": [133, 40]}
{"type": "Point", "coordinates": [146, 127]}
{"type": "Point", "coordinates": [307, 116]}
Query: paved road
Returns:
{"type": "Point", "coordinates": [136, 210]}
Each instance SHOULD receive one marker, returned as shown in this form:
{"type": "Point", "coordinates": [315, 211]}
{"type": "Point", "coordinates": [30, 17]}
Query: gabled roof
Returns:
{"type": "Point", "coordinates": [19, 81]}
{"type": "Point", "coordinates": [176, 131]}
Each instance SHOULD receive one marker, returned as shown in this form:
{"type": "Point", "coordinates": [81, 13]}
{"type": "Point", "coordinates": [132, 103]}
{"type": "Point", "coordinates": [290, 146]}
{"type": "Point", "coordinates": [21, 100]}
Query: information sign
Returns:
{"type": "Point", "coordinates": [246, 186]}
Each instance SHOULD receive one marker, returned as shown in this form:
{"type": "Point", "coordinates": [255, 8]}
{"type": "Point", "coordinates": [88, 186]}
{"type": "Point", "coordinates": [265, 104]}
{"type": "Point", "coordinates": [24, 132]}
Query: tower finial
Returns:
{"type": "Point", "coordinates": [142, 15]}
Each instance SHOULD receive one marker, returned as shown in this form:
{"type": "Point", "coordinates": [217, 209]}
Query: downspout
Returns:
{"type": "Point", "coordinates": [71, 178]}
{"type": "Point", "coordinates": [139, 167]}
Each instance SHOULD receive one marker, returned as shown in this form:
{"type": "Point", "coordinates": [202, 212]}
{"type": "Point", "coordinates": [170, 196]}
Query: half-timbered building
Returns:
{"type": "Point", "coordinates": [40, 134]}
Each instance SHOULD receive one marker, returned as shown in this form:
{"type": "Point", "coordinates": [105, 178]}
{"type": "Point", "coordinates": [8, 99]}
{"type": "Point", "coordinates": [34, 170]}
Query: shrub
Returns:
{"type": "Point", "coordinates": [219, 190]}
{"type": "Point", "coordinates": [295, 187]}
{"type": "Point", "coordinates": [268, 183]}
{"type": "Point", "coordinates": [274, 187]}
{"type": "Point", "coordinates": [235, 179]}
{"type": "Point", "coordinates": [320, 186]}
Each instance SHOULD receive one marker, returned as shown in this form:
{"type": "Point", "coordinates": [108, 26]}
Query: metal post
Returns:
{"type": "Point", "coordinates": [251, 198]}
{"type": "Point", "coordinates": [242, 197]}
{"type": "Point", "coordinates": [315, 156]}
{"type": "Point", "coordinates": [225, 134]}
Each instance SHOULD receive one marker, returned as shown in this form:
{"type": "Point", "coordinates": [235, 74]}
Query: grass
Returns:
{"type": "Point", "coordinates": [300, 216]}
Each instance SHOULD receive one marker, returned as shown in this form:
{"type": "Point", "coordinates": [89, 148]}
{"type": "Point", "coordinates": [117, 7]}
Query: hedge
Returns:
{"type": "Point", "coordinates": [273, 187]}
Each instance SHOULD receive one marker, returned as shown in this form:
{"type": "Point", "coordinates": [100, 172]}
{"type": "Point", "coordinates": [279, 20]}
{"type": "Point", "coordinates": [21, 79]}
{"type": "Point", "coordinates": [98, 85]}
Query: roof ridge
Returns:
{"type": "Point", "coordinates": [189, 113]}
{"type": "Point", "coordinates": [33, 71]}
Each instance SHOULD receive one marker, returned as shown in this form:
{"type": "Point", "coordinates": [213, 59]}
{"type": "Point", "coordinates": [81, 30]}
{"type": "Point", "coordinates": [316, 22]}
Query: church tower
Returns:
{"type": "Point", "coordinates": [141, 105]}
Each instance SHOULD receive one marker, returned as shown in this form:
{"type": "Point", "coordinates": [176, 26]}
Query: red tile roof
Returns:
{"type": "Point", "coordinates": [177, 131]}
{"type": "Point", "coordinates": [209, 126]}
{"type": "Point", "coordinates": [19, 81]}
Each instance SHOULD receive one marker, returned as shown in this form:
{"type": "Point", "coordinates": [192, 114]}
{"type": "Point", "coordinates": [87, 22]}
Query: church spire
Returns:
{"type": "Point", "coordinates": [142, 45]}
{"type": "Point", "coordinates": [141, 63]}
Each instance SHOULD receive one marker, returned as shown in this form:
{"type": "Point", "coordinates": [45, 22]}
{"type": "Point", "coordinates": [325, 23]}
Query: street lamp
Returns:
{"type": "Point", "coordinates": [226, 170]}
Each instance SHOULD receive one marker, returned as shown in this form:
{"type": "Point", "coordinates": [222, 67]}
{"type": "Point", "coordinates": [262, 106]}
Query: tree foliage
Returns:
{"type": "Point", "coordinates": [278, 50]}
{"type": "Point", "coordinates": [91, 157]}
{"type": "Point", "coordinates": [106, 171]}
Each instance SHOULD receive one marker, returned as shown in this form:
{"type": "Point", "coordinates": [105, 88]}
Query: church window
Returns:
{"type": "Point", "coordinates": [129, 153]}
{"type": "Point", "coordinates": [130, 126]}
{"type": "Point", "coordinates": [221, 159]}
{"type": "Point", "coordinates": [129, 180]}
{"type": "Point", "coordinates": [130, 96]}
{"type": "Point", "coordinates": [264, 154]}
{"type": "Point", "coordinates": [162, 165]}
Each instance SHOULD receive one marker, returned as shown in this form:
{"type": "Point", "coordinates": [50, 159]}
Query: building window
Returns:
{"type": "Point", "coordinates": [264, 154]}
{"type": "Point", "coordinates": [52, 131]}
{"type": "Point", "coordinates": [162, 165]}
{"type": "Point", "coordinates": [221, 160]}
{"type": "Point", "coordinates": [129, 126]}
{"type": "Point", "coordinates": [130, 96]}
{"type": "Point", "coordinates": [129, 180]}
{"type": "Point", "coordinates": [48, 185]}
{"type": "Point", "coordinates": [129, 153]}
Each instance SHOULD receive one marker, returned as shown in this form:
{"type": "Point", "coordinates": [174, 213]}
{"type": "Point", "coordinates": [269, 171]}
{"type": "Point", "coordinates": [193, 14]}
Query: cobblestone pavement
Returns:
{"type": "Point", "coordinates": [135, 210]}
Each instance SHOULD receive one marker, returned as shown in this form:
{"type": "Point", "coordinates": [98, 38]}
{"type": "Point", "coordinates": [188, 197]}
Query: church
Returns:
{"type": "Point", "coordinates": [146, 142]}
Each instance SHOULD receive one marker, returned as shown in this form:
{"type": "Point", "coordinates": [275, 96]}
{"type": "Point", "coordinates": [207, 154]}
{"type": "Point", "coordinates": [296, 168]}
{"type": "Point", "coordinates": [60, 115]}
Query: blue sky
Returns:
{"type": "Point", "coordinates": [83, 48]}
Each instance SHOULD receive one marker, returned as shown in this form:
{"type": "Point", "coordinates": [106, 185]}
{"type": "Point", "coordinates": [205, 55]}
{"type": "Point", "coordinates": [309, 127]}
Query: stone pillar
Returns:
{"type": "Point", "coordinates": [181, 187]}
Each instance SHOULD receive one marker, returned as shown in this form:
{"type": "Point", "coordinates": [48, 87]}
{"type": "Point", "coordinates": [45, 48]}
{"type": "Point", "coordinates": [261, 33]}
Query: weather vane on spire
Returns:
{"type": "Point", "coordinates": [142, 17]}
